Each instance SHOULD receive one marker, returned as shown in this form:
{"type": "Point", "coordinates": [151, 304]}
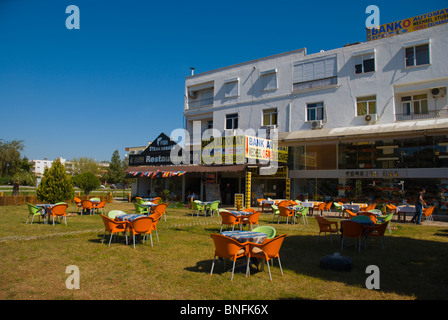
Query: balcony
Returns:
{"type": "Point", "coordinates": [418, 116]}
{"type": "Point", "coordinates": [197, 103]}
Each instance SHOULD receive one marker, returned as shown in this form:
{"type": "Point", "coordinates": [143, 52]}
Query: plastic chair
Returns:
{"type": "Point", "coordinates": [303, 213]}
{"type": "Point", "coordinates": [77, 203]}
{"type": "Point", "coordinates": [228, 248]}
{"type": "Point", "coordinates": [141, 209]}
{"type": "Point", "coordinates": [113, 213]}
{"type": "Point", "coordinates": [160, 208]}
{"type": "Point", "coordinates": [338, 208]}
{"type": "Point", "coordinates": [275, 211]}
{"type": "Point", "coordinates": [143, 225]}
{"type": "Point", "coordinates": [251, 219]}
{"type": "Point", "coordinates": [213, 207]}
{"type": "Point", "coordinates": [33, 211]}
{"type": "Point", "coordinates": [268, 250]}
{"type": "Point", "coordinates": [198, 207]}
{"type": "Point", "coordinates": [327, 207]}
{"type": "Point", "coordinates": [386, 218]}
{"type": "Point", "coordinates": [113, 227]}
{"type": "Point", "coordinates": [59, 210]}
{"type": "Point", "coordinates": [139, 200]}
{"type": "Point", "coordinates": [270, 231]}
{"type": "Point", "coordinates": [376, 231]}
{"type": "Point", "coordinates": [327, 226]}
{"type": "Point", "coordinates": [285, 212]}
{"type": "Point", "coordinates": [427, 213]}
{"type": "Point", "coordinates": [350, 214]}
{"type": "Point", "coordinates": [87, 205]}
{"type": "Point", "coordinates": [156, 218]}
{"type": "Point", "coordinates": [351, 229]}
{"type": "Point", "coordinates": [251, 210]}
{"type": "Point", "coordinates": [101, 206]}
{"type": "Point", "coordinates": [229, 219]}
{"type": "Point", "coordinates": [157, 200]}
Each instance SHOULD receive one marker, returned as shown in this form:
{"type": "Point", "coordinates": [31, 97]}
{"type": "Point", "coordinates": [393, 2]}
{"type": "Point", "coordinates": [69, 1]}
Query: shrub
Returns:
{"type": "Point", "coordinates": [87, 182]}
{"type": "Point", "coordinates": [56, 185]}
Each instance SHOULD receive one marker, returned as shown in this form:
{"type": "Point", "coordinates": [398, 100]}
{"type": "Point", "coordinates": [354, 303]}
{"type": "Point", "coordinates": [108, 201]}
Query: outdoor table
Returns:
{"type": "Point", "coordinates": [306, 204]}
{"type": "Point", "coordinates": [266, 204]}
{"type": "Point", "coordinates": [405, 209]}
{"type": "Point", "coordinates": [128, 217]}
{"type": "Point", "coordinates": [246, 236]}
{"type": "Point", "coordinates": [46, 207]}
{"type": "Point", "coordinates": [352, 207]}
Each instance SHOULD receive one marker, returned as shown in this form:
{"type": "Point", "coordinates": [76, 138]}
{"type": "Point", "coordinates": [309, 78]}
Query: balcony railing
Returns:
{"type": "Point", "coordinates": [417, 116]}
{"type": "Point", "coordinates": [200, 103]}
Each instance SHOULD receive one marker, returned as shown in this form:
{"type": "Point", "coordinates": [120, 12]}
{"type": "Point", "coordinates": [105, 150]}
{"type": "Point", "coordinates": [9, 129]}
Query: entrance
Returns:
{"type": "Point", "coordinates": [229, 186]}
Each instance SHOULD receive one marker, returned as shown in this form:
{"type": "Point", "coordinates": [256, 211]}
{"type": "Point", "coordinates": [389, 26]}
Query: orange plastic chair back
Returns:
{"type": "Point", "coordinates": [229, 218]}
{"type": "Point", "coordinates": [428, 211]}
{"type": "Point", "coordinates": [328, 206]}
{"type": "Point", "coordinates": [285, 212]}
{"type": "Point", "coordinates": [249, 210]}
{"type": "Point", "coordinates": [253, 218]}
{"type": "Point", "coordinates": [111, 225]}
{"type": "Point", "coordinates": [283, 203]}
{"type": "Point", "coordinates": [270, 247]}
{"type": "Point", "coordinates": [101, 204]}
{"type": "Point", "coordinates": [156, 199]}
{"type": "Point", "coordinates": [350, 213]}
{"type": "Point", "coordinates": [370, 215]}
{"type": "Point", "coordinates": [351, 229]}
{"type": "Point", "coordinates": [226, 247]}
{"type": "Point", "coordinates": [377, 230]}
{"type": "Point", "coordinates": [321, 206]}
{"type": "Point", "coordinates": [77, 201]}
{"type": "Point", "coordinates": [141, 225]}
{"type": "Point", "coordinates": [87, 204]}
{"type": "Point", "coordinates": [59, 210]}
{"type": "Point", "coordinates": [160, 208]}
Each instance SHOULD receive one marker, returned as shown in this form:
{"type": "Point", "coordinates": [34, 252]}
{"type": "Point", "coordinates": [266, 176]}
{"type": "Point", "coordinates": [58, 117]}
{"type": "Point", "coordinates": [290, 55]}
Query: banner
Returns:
{"type": "Point", "coordinates": [424, 21]}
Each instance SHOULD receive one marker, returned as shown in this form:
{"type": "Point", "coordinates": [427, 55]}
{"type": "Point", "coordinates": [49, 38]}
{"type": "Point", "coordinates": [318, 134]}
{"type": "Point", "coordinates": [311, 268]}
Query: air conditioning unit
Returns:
{"type": "Point", "coordinates": [317, 124]}
{"type": "Point", "coordinates": [192, 94]}
{"type": "Point", "coordinates": [371, 118]}
{"type": "Point", "coordinates": [436, 92]}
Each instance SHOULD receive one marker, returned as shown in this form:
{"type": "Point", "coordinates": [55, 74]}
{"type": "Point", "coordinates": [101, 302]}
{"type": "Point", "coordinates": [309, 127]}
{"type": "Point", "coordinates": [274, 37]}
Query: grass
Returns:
{"type": "Point", "coordinates": [34, 259]}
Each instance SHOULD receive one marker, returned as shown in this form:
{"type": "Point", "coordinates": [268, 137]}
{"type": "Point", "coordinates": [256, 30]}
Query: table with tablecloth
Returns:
{"type": "Point", "coordinates": [403, 210]}
{"type": "Point", "coordinates": [246, 236]}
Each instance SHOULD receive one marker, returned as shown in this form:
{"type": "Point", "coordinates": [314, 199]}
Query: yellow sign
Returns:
{"type": "Point", "coordinates": [280, 173]}
{"type": "Point", "coordinates": [265, 149]}
{"type": "Point", "coordinates": [424, 21]}
{"type": "Point", "coordinates": [223, 150]}
{"type": "Point", "coordinates": [288, 189]}
{"type": "Point", "coordinates": [239, 200]}
{"type": "Point", "coordinates": [248, 188]}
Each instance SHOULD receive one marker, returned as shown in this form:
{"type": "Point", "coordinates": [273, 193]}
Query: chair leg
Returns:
{"type": "Point", "coordinates": [213, 265]}
{"type": "Point", "coordinates": [280, 264]}
{"type": "Point", "coordinates": [233, 269]}
{"type": "Point", "coordinates": [269, 269]}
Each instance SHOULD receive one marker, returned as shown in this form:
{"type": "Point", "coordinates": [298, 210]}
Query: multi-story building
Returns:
{"type": "Point", "coordinates": [40, 165]}
{"type": "Point", "coordinates": [367, 119]}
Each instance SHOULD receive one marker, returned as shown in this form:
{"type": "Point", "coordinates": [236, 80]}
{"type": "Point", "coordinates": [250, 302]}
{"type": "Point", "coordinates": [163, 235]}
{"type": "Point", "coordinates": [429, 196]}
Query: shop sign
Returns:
{"type": "Point", "coordinates": [265, 150]}
{"type": "Point", "coordinates": [157, 153]}
{"type": "Point", "coordinates": [424, 21]}
{"type": "Point", "coordinates": [372, 174]}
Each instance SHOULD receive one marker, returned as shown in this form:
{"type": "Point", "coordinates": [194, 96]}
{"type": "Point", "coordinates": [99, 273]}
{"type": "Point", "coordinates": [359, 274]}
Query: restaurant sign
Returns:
{"type": "Point", "coordinates": [157, 153]}
{"type": "Point", "coordinates": [424, 21]}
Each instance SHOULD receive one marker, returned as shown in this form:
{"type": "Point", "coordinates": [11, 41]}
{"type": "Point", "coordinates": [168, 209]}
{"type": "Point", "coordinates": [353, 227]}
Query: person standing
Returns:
{"type": "Point", "coordinates": [419, 207]}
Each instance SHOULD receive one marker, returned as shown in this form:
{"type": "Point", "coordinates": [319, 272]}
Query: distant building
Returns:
{"type": "Point", "coordinates": [40, 165]}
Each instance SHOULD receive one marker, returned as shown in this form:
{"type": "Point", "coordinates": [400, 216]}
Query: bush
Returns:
{"type": "Point", "coordinates": [56, 185]}
{"type": "Point", "coordinates": [86, 182]}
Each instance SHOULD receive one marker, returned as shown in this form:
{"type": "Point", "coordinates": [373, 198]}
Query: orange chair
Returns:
{"type": "Point", "coordinates": [229, 219]}
{"type": "Point", "coordinates": [228, 248]}
{"type": "Point", "coordinates": [427, 213]}
{"type": "Point", "coordinates": [377, 231]}
{"type": "Point", "coordinates": [268, 250]}
{"type": "Point", "coordinates": [113, 227]}
{"type": "Point", "coordinates": [100, 206]}
{"type": "Point", "coordinates": [160, 208]}
{"type": "Point", "coordinates": [285, 212]}
{"type": "Point", "coordinates": [350, 214]}
{"type": "Point", "coordinates": [251, 219]}
{"type": "Point", "coordinates": [370, 215]}
{"type": "Point", "coordinates": [77, 203]}
{"type": "Point", "coordinates": [87, 205]}
{"type": "Point", "coordinates": [351, 229]}
{"type": "Point", "coordinates": [143, 225]}
{"type": "Point", "coordinates": [284, 203]}
{"type": "Point", "coordinates": [327, 207]}
{"type": "Point", "coordinates": [58, 210]}
{"type": "Point", "coordinates": [252, 210]}
{"type": "Point", "coordinates": [156, 199]}
{"type": "Point", "coordinates": [327, 226]}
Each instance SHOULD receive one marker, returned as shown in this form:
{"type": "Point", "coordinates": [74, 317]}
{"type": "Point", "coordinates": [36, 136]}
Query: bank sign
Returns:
{"type": "Point", "coordinates": [424, 21]}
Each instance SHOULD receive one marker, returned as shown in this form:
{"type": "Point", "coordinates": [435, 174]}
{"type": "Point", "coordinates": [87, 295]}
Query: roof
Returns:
{"type": "Point", "coordinates": [375, 131]}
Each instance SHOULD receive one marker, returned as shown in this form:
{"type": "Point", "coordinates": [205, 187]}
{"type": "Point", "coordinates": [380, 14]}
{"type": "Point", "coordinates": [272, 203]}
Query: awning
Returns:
{"type": "Point", "coordinates": [374, 131]}
{"type": "Point", "coordinates": [173, 171]}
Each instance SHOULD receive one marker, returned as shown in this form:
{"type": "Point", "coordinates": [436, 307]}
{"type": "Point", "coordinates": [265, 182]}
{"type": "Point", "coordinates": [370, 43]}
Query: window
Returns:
{"type": "Point", "coordinates": [416, 104]}
{"type": "Point", "coordinates": [366, 105]}
{"type": "Point", "coordinates": [315, 73]}
{"type": "Point", "coordinates": [365, 63]}
{"type": "Point", "coordinates": [270, 117]}
{"type": "Point", "coordinates": [210, 124]}
{"type": "Point", "coordinates": [315, 111]}
{"type": "Point", "coordinates": [232, 121]}
{"type": "Point", "coordinates": [417, 55]}
{"type": "Point", "coordinates": [231, 88]}
{"type": "Point", "coordinates": [269, 78]}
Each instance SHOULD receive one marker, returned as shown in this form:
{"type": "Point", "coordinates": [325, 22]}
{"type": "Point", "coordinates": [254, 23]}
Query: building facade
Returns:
{"type": "Point", "coordinates": [364, 120]}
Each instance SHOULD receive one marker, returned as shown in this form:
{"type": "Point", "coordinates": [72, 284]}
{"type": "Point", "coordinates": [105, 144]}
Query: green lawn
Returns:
{"type": "Point", "coordinates": [34, 259]}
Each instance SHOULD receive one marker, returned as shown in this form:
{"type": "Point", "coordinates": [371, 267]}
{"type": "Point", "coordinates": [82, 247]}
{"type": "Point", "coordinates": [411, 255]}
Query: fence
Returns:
{"type": "Point", "coordinates": [21, 200]}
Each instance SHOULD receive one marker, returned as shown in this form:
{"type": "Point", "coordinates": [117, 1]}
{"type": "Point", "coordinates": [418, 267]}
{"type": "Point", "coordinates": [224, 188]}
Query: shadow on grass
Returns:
{"type": "Point", "coordinates": [413, 268]}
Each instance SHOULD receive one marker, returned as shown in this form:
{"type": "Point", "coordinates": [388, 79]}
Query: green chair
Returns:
{"type": "Point", "coordinates": [275, 211]}
{"type": "Point", "coordinates": [139, 200]}
{"type": "Point", "coordinates": [266, 229]}
{"type": "Point", "coordinates": [33, 211]}
{"type": "Point", "coordinates": [113, 213]}
{"type": "Point", "coordinates": [303, 212]}
{"type": "Point", "coordinates": [95, 199]}
{"type": "Point", "coordinates": [141, 209]}
{"type": "Point", "coordinates": [198, 207]}
{"type": "Point", "coordinates": [338, 208]}
{"type": "Point", "coordinates": [213, 207]}
{"type": "Point", "coordinates": [383, 219]}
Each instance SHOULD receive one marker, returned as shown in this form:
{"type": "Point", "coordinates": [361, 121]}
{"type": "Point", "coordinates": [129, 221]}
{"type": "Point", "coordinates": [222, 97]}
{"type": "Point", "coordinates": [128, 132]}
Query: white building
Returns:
{"type": "Point", "coordinates": [40, 165]}
{"type": "Point", "coordinates": [358, 119]}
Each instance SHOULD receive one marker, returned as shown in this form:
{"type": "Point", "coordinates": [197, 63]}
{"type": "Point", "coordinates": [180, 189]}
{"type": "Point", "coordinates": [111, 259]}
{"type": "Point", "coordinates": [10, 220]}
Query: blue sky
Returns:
{"type": "Point", "coordinates": [119, 80]}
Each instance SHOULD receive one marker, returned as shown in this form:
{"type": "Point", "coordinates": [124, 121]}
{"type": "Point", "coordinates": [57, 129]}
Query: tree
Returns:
{"type": "Point", "coordinates": [56, 185]}
{"type": "Point", "coordinates": [83, 164]}
{"type": "Point", "coordinates": [10, 156]}
{"type": "Point", "coordinates": [86, 182]}
{"type": "Point", "coordinates": [116, 171]}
